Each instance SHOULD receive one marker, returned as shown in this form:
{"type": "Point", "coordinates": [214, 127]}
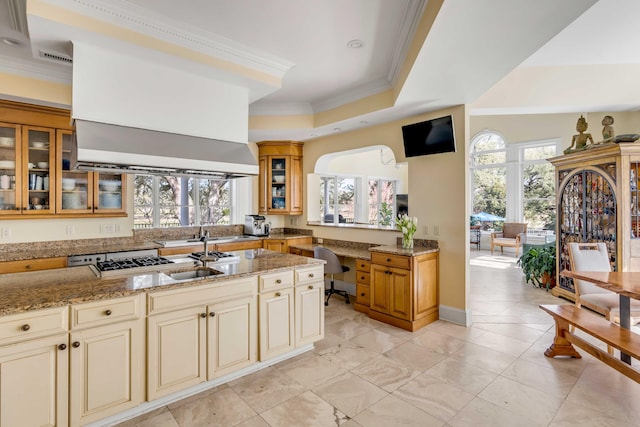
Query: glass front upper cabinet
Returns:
{"type": "Point", "coordinates": [39, 155]}
{"type": "Point", "coordinates": [75, 188]}
{"type": "Point", "coordinates": [10, 166]}
{"type": "Point", "coordinates": [109, 189]}
{"type": "Point", "coordinates": [278, 183]}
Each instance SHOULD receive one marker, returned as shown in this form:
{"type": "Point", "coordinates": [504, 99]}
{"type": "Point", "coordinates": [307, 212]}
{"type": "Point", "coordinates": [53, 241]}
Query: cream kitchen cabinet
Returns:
{"type": "Point", "coordinates": [106, 359]}
{"type": "Point", "coordinates": [309, 305]}
{"type": "Point", "coordinates": [199, 333]}
{"type": "Point", "coordinates": [276, 312]}
{"type": "Point", "coordinates": [34, 367]}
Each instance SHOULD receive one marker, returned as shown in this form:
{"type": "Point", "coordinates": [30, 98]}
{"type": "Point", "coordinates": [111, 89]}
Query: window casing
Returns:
{"type": "Point", "coordinates": [514, 181]}
{"type": "Point", "coordinates": [170, 201]}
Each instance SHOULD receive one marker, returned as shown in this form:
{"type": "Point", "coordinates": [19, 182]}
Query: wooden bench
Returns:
{"type": "Point", "coordinates": [609, 333]}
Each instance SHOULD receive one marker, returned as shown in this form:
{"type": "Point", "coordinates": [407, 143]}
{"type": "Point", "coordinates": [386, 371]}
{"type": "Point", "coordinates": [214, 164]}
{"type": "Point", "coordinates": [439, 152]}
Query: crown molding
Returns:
{"type": "Point", "coordinates": [350, 95]}
{"type": "Point", "coordinates": [410, 20]}
{"type": "Point", "coordinates": [135, 18]}
{"type": "Point", "coordinates": [36, 70]}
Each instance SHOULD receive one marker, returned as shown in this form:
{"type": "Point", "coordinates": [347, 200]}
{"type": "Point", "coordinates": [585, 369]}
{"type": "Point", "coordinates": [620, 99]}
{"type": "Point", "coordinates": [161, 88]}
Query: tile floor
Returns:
{"type": "Point", "coordinates": [366, 373]}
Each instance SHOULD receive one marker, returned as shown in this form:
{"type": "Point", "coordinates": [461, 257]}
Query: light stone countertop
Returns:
{"type": "Point", "coordinates": [20, 292]}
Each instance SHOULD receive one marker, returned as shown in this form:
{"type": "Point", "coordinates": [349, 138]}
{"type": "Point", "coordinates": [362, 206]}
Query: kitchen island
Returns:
{"type": "Point", "coordinates": [93, 351]}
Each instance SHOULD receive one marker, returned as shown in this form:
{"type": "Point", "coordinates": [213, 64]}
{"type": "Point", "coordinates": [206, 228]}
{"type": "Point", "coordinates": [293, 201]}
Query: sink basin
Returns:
{"type": "Point", "coordinates": [195, 274]}
{"type": "Point", "coordinates": [195, 242]}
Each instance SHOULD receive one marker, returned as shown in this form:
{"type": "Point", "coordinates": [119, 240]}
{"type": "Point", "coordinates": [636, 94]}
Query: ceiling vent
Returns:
{"type": "Point", "coordinates": [57, 57]}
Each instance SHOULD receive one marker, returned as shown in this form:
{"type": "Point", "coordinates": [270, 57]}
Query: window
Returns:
{"type": "Point", "coordinates": [381, 202]}
{"type": "Point", "coordinates": [514, 181]}
{"type": "Point", "coordinates": [169, 201]}
{"type": "Point", "coordinates": [338, 195]}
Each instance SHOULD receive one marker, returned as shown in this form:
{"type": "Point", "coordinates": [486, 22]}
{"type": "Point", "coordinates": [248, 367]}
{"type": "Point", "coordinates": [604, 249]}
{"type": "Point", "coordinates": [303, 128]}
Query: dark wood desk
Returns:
{"type": "Point", "coordinates": [624, 283]}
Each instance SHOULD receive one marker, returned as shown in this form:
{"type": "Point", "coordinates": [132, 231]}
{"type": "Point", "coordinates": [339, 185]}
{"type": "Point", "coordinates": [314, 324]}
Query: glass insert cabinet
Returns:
{"type": "Point", "coordinates": [36, 179]}
{"type": "Point", "coordinates": [280, 177]}
{"type": "Point", "coordinates": [598, 201]}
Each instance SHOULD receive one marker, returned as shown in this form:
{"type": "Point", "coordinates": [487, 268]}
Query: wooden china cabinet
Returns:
{"type": "Point", "coordinates": [35, 175]}
{"type": "Point", "coordinates": [280, 177]}
{"type": "Point", "coordinates": [597, 193]}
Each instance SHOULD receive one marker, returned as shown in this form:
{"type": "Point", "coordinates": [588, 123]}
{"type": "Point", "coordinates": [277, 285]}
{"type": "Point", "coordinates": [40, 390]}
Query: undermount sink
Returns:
{"type": "Point", "coordinates": [194, 241]}
{"type": "Point", "coordinates": [195, 274]}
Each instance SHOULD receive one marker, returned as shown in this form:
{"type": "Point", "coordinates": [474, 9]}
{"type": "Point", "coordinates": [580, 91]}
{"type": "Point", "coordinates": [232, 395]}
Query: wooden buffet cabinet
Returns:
{"type": "Point", "coordinates": [35, 176]}
{"type": "Point", "coordinates": [401, 290]}
{"type": "Point", "coordinates": [280, 177]}
{"type": "Point", "coordinates": [597, 195]}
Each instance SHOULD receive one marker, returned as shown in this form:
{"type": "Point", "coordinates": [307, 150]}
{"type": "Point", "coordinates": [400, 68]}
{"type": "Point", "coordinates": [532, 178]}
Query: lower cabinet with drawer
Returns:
{"type": "Point", "coordinates": [106, 358]}
{"type": "Point", "coordinates": [34, 361]}
{"type": "Point", "coordinates": [208, 331]}
{"type": "Point", "coordinates": [404, 289]}
{"type": "Point", "coordinates": [309, 305]}
{"type": "Point", "coordinates": [363, 274]}
{"type": "Point", "coordinates": [276, 311]}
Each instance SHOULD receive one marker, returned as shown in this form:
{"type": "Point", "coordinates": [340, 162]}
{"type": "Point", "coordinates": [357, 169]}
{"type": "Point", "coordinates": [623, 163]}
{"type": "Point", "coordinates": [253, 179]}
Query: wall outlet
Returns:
{"type": "Point", "coordinates": [425, 230]}
{"type": "Point", "coordinates": [107, 228]}
{"type": "Point", "coordinates": [436, 230]}
{"type": "Point", "coordinates": [320, 241]}
{"type": "Point", "coordinates": [71, 230]}
{"type": "Point", "coordinates": [6, 233]}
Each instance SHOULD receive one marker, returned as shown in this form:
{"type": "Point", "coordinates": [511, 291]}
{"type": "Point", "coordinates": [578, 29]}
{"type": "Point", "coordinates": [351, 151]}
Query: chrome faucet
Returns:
{"type": "Point", "coordinates": [206, 257]}
{"type": "Point", "coordinates": [202, 232]}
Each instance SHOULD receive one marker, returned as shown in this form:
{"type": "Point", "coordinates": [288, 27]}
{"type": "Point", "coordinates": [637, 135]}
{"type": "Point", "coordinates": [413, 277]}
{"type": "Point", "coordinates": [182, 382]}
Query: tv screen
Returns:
{"type": "Point", "coordinates": [429, 137]}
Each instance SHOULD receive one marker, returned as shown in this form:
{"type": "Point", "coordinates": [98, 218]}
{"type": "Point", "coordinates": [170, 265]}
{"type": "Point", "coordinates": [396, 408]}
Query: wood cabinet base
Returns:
{"type": "Point", "coordinates": [361, 308]}
{"type": "Point", "coordinates": [405, 324]}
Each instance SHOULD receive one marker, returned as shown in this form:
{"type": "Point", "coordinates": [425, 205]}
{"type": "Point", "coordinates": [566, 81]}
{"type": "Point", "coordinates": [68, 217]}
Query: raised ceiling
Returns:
{"type": "Point", "coordinates": [496, 56]}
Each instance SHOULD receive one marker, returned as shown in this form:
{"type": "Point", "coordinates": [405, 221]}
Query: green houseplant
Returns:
{"type": "Point", "coordinates": [539, 266]}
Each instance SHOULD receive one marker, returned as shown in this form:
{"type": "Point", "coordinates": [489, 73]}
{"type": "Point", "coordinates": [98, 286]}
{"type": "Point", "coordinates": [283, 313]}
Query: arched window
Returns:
{"type": "Point", "coordinates": [514, 181]}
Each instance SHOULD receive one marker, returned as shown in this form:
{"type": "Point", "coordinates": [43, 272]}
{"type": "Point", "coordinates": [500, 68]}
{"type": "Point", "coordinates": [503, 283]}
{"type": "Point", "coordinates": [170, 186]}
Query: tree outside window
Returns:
{"type": "Point", "coordinates": [169, 201]}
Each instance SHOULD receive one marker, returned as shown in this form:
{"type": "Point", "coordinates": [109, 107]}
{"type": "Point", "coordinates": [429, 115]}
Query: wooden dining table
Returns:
{"type": "Point", "coordinates": [625, 283]}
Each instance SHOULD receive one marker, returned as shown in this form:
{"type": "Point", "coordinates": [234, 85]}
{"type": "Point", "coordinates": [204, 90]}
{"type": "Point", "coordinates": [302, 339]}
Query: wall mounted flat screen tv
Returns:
{"type": "Point", "coordinates": [429, 137]}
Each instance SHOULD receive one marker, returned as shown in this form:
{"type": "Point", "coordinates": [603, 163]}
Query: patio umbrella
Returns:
{"type": "Point", "coordinates": [486, 217]}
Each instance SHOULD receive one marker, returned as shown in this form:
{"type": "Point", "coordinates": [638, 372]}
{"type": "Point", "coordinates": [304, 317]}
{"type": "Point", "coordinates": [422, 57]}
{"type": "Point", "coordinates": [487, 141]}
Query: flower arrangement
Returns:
{"type": "Point", "coordinates": [408, 225]}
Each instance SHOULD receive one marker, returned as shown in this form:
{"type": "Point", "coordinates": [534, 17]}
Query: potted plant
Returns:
{"type": "Point", "coordinates": [539, 266]}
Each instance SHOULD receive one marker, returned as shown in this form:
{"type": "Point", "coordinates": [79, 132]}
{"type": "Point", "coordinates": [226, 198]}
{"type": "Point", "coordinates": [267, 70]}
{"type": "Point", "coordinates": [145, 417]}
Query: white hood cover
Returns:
{"type": "Point", "coordinates": [134, 114]}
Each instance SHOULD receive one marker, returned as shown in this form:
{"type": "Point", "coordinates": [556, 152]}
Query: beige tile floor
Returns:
{"type": "Point", "coordinates": [366, 373]}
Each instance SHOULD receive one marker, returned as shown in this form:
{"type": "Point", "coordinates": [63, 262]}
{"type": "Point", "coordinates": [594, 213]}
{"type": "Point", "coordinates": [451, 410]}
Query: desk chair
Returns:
{"type": "Point", "coordinates": [595, 257]}
{"type": "Point", "coordinates": [332, 267]}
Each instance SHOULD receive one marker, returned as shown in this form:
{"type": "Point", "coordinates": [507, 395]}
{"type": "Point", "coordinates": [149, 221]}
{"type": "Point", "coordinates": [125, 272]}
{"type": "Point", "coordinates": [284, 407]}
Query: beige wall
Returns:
{"type": "Point", "coordinates": [437, 196]}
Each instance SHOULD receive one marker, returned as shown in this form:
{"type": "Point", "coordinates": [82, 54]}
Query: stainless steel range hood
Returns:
{"type": "Point", "coordinates": [114, 148]}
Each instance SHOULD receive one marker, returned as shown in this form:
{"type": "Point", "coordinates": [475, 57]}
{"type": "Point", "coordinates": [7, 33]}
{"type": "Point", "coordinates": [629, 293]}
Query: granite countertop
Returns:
{"type": "Point", "coordinates": [340, 250]}
{"type": "Point", "coordinates": [285, 236]}
{"type": "Point", "coordinates": [20, 292]}
{"type": "Point", "coordinates": [40, 250]}
{"type": "Point", "coordinates": [398, 250]}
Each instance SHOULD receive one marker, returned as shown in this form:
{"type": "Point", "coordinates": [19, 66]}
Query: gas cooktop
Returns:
{"type": "Point", "coordinates": [121, 264]}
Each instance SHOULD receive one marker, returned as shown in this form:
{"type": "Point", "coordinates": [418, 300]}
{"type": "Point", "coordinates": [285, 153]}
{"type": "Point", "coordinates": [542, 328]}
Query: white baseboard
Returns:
{"type": "Point", "coordinates": [455, 315]}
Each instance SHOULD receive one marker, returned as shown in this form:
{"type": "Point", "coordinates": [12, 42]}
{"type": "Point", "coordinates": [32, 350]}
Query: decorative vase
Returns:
{"type": "Point", "coordinates": [407, 241]}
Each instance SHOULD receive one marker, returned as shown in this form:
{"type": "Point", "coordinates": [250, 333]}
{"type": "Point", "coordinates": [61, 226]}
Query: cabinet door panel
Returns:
{"type": "Point", "coordinates": [295, 188]}
{"type": "Point", "coordinates": [176, 351]}
{"type": "Point", "coordinates": [276, 323]}
{"type": "Point", "coordinates": [232, 336]}
{"type": "Point", "coordinates": [426, 293]}
{"type": "Point", "coordinates": [379, 289]}
{"type": "Point", "coordinates": [105, 374]}
{"type": "Point", "coordinates": [309, 313]}
{"type": "Point", "coordinates": [34, 384]}
{"type": "Point", "coordinates": [400, 290]}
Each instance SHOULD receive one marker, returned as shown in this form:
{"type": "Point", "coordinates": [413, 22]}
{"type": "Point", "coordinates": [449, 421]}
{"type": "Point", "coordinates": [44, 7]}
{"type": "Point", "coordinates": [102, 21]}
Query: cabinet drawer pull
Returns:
{"type": "Point", "coordinates": [203, 315]}
{"type": "Point", "coordinates": [363, 294]}
{"type": "Point", "coordinates": [278, 294]}
{"type": "Point", "coordinates": [310, 274]}
{"type": "Point", "coordinates": [212, 314]}
{"type": "Point", "coordinates": [278, 281]}
{"type": "Point", "coordinates": [388, 259]}
{"type": "Point", "coordinates": [25, 327]}
{"type": "Point", "coordinates": [28, 267]}
{"type": "Point", "coordinates": [75, 344]}
{"type": "Point", "coordinates": [62, 347]}
{"type": "Point", "coordinates": [310, 286]}
{"type": "Point", "coordinates": [362, 278]}
{"type": "Point", "coordinates": [107, 312]}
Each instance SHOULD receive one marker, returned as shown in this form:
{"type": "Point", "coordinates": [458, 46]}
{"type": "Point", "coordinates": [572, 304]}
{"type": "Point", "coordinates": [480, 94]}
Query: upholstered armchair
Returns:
{"type": "Point", "coordinates": [513, 235]}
